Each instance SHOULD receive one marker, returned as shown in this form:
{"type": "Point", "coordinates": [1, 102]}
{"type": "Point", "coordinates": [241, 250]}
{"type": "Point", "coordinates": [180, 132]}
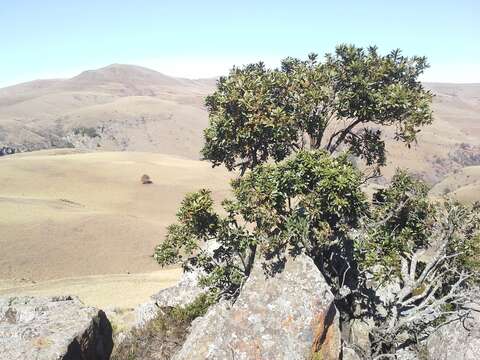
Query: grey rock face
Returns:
{"type": "Point", "coordinates": [52, 329]}
{"type": "Point", "coordinates": [144, 313]}
{"type": "Point", "coordinates": [350, 354]}
{"type": "Point", "coordinates": [288, 316]}
{"type": "Point", "coordinates": [456, 340]}
{"type": "Point", "coordinates": [183, 293]}
{"type": "Point", "coordinates": [406, 354]}
{"type": "Point", "coordinates": [358, 336]}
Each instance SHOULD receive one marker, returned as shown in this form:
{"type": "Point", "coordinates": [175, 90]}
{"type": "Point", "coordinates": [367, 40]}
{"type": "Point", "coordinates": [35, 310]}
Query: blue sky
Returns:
{"type": "Point", "coordinates": [52, 38]}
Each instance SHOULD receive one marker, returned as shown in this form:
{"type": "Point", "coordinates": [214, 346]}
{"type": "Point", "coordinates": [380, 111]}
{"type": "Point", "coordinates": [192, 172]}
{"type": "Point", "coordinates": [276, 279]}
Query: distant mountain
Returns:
{"type": "Point", "coordinates": [123, 74]}
{"type": "Point", "coordinates": [127, 107]}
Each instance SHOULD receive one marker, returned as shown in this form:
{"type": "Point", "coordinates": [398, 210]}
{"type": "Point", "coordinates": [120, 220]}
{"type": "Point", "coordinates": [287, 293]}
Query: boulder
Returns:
{"type": "Point", "coordinates": [52, 329]}
{"type": "Point", "coordinates": [358, 336]}
{"type": "Point", "coordinates": [145, 179]}
{"type": "Point", "coordinates": [183, 293]}
{"type": "Point", "coordinates": [349, 354]}
{"type": "Point", "coordinates": [288, 316]}
{"type": "Point", "coordinates": [408, 354]}
{"type": "Point", "coordinates": [457, 340]}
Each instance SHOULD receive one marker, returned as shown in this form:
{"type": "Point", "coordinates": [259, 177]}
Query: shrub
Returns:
{"type": "Point", "coordinates": [145, 180]}
{"type": "Point", "coordinates": [84, 131]}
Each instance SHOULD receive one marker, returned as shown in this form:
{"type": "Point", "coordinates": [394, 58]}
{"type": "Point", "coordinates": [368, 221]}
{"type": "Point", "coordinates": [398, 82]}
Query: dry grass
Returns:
{"type": "Point", "coordinates": [462, 185]}
{"type": "Point", "coordinates": [103, 291]}
{"type": "Point", "coordinates": [163, 336]}
{"type": "Point", "coordinates": [159, 339]}
{"type": "Point", "coordinates": [82, 223]}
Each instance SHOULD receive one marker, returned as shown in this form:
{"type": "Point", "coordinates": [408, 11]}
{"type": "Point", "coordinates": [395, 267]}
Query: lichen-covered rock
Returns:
{"type": "Point", "coordinates": [144, 313]}
{"type": "Point", "coordinates": [184, 292]}
{"type": "Point", "coordinates": [358, 336]}
{"type": "Point", "coordinates": [349, 354]}
{"type": "Point", "coordinates": [457, 340]}
{"type": "Point", "coordinates": [408, 354]}
{"type": "Point", "coordinates": [53, 329]}
{"type": "Point", "coordinates": [288, 316]}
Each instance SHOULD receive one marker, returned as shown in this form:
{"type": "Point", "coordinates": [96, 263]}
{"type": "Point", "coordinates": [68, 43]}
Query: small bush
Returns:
{"type": "Point", "coordinates": [145, 179]}
{"type": "Point", "coordinates": [195, 309]}
{"type": "Point", "coordinates": [84, 131]}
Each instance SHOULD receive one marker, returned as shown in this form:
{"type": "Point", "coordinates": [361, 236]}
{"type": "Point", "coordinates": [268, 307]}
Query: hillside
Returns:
{"type": "Point", "coordinates": [130, 108]}
{"type": "Point", "coordinates": [463, 185]}
{"type": "Point", "coordinates": [451, 142]}
{"type": "Point", "coordinates": [126, 107]}
{"type": "Point", "coordinates": [66, 213]}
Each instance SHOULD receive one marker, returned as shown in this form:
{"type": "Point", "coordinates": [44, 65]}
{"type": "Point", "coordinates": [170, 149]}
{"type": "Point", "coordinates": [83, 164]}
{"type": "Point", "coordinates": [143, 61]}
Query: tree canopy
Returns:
{"type": "Point", "coordinates": [344, 101]}
{"type": "Point", "coordinates": [304, 204]}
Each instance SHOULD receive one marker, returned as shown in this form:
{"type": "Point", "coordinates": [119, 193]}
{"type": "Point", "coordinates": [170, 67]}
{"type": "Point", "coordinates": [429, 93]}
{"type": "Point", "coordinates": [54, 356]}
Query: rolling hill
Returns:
{"type": "Point", "coordinates": [129, 107]}
{"type": "Point", "coordinates": [68, 213]}
{"type": "Point", "coordinates": [462, 185]}
{"type": "Point", "coordinates": [79, 220]}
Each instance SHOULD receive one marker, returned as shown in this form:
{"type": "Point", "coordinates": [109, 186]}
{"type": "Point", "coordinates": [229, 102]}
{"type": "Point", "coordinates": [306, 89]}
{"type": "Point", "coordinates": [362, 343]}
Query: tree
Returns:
{"type": "Point", "coordinates": [258, 114]}
{"type": "Point", "coordinates": [424, 254]}
{"type": "Point", "coordinates": [304, 204]}
{"type": "Point", "coordinates": [309, 117]}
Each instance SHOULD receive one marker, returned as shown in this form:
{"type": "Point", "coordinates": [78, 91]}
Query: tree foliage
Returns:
{"type": "Point", "coordinates": [346, 100]}
{"type": "Point", "coordinates": [402, 219]}
{"type": "Point", "coordinates": [304, 204]}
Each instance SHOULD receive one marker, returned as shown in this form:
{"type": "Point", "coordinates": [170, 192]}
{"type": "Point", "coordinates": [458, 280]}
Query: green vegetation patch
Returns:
{"type": "Point", "coordinates": [86, 131]}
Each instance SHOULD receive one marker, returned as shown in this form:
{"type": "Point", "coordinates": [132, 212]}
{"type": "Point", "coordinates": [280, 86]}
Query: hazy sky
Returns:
{"type": "Point", "coordinates": [59, 38]}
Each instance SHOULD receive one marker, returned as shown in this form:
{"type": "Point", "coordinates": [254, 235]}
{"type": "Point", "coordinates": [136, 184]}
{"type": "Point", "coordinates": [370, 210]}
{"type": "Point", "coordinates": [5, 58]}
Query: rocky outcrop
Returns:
{"type": "Point", "coordinates": [183, 293]}
{"type": "Point", "coordinates": [288, 316]}
{"type": "Point", "coordinates": [53, 329]}
{"type": "Point", "coordinates": [457, 340]}
{"type": "Point", "coordinates": [349, 354]}
{"type": "Point", "coordinates": [357, 342]}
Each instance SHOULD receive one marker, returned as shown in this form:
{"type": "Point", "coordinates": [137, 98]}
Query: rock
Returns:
{"type": "Point", "coordinates": [52, 329]}
{"type": "Point", "coordinates": [407, 354]}
{"type": "Point", "coordinates": [144, 313]}
{"type": "Point", "coordinates": [456, 340]}
{"type": "Point", "coordinates": [183, 293]}
{"type": "Point", "coordinates": [6, 150]}
{"type": "Point", "coordinates": [349, 354]}
{"type": "Point", "coordinates": [288, 316]}
{"type": "Point", "coordinates": [358, 336]}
